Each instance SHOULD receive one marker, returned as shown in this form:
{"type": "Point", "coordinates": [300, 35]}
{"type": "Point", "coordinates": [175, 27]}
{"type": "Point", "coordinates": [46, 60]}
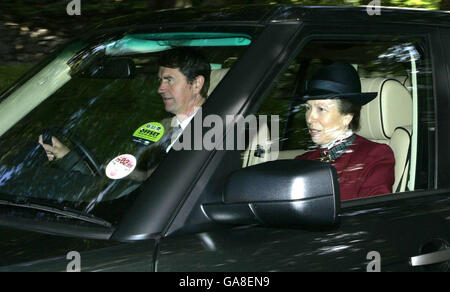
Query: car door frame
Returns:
{"type": "Point", "coordinates": [161, 200]}
{"type": "Point", "coordinates": [363, 213]}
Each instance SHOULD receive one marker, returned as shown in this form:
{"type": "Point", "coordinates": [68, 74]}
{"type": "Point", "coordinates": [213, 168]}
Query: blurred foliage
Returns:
{"type": "Point", "coordinates": [10, 73]}
{"type": "Point", "coordinates": [29, 29]}
{"type": "Point", "coordinates": [47, 8]}
{"type": "Point", "coordinates": [428, 4]}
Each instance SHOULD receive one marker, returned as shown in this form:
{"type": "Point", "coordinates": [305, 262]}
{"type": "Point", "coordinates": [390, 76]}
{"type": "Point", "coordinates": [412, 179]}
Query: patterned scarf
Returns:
{"type": "Point", "coordinates": [330, 155]}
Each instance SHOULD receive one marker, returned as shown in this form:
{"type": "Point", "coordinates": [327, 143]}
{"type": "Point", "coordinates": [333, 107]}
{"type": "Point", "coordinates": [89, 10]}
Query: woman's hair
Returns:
{"type": "Point", "coordinates": [347, 107]}
{"type": "Point", "coordinates": [190, 62]}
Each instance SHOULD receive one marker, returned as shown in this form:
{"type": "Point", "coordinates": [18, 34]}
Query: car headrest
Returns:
{"type": "Point", "coordinates": [215, 77]}
{"type": "Point", "coordinates": [392, 108]}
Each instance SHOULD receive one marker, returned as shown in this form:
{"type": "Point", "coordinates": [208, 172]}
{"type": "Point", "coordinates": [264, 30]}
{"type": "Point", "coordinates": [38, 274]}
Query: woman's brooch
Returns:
{"type": "Point", "coordinates": [326, 158]}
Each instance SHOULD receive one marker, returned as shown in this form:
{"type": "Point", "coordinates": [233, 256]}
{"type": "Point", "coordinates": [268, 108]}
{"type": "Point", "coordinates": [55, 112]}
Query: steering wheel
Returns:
{"type": "Point", "coordinates": [80, 148]}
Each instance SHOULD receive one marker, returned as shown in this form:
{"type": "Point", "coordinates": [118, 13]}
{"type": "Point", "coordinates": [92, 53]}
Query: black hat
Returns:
{"type": "Point", "coordinates": [337, 81]}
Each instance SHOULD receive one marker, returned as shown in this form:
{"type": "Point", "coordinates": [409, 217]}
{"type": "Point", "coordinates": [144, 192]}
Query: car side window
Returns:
{"type": "Point", "coordinates": [97, 126]}
{"type": "Point", "coordinates": [402, 115]}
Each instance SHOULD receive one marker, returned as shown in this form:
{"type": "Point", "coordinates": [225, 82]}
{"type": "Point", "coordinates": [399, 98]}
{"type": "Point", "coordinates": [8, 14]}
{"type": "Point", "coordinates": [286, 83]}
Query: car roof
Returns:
{"type": "Point", "coordinates": [324, 14]}
{"type": "Point", "coordinates": [254, 14]}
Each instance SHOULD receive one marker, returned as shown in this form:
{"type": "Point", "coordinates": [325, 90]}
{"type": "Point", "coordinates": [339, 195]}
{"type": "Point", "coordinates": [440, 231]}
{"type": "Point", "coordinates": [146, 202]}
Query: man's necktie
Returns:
{"type": "Point", "coordinates": [168, 139]}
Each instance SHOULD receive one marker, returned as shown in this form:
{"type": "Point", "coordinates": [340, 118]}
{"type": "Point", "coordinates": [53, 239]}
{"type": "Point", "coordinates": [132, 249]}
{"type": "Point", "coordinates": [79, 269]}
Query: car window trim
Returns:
{"type": "Point", "coordinates": [56, 228]}
{"type": "Point", "coordinates": [261, 88]}
{"type": "Point", "coordinates": [441, 73]}
{"type": "Point", "coordinates": [393, 197]}
{"type": "Point", "coordinates": [312, 32]}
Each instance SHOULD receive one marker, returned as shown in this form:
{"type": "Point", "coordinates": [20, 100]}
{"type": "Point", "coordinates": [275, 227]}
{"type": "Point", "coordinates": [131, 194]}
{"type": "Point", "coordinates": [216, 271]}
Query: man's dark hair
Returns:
{"type": "Point", "coordinates": [347, 107]}
{"type": "Point", "coordinates": [190, 62]}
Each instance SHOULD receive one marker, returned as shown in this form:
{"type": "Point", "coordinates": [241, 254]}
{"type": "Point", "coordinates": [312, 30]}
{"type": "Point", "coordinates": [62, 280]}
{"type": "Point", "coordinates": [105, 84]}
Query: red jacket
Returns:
{"type": "Point", "coordinates": [365, 169]}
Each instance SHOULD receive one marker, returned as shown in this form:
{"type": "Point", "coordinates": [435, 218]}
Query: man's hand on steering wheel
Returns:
{"type": "Point", "coordinates": [57, 151]}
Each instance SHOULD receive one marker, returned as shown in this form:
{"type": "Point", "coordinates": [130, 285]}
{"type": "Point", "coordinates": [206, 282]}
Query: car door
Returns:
{"type": "Point", "coordinates": [381, 236]}
{"type": "Point", "coordinates": [402, 231]}
{"type": "Point", "coordinates": [46, 206]}
{"type": "Point", "coordinates": [27, 251]}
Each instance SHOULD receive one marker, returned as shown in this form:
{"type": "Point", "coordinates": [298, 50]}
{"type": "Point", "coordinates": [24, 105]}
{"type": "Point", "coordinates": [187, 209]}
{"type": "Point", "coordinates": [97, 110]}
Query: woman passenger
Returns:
{"type": "Point", "coordinates": [333, 105]}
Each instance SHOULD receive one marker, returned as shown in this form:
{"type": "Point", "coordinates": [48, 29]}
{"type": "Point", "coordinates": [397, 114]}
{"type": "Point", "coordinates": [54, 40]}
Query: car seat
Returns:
{"type": "Point", "coordinates": [215, 78]}
{"type": "Point", "coordinates": [388, 119]}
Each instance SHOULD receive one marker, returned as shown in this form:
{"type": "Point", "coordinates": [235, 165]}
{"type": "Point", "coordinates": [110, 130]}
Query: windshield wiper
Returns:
{"type": "Point", "coordinates": [64, 211]}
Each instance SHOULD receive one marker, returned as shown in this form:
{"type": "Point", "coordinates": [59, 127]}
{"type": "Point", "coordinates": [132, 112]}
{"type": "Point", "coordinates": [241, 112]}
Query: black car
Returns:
{"type": "Point", "coordinates": [239, 202]}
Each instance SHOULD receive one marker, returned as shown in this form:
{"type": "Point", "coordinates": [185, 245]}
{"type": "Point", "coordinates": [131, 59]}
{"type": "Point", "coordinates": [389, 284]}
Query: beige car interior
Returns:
{"type": "Point", "coordinates": [387, 119]}
{"type": "Point", "coordinates": [215, 77]}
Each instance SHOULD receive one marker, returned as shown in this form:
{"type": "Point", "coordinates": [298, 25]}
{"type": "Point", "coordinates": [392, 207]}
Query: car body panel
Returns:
{"type": "Point", "coordinates": [25, 251]}
{"type": "Point", "coordinates": [166, 228]}
{"type": "Point", "coordinates": [396, 229]}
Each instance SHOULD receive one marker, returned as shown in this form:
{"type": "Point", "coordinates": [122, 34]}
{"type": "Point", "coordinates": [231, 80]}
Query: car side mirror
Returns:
{"type": "Point", "coordinates": [282, 193]}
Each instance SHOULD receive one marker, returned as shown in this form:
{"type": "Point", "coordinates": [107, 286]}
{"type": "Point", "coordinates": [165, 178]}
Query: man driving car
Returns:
{"type": "Point", "coordinates": [183, 85]}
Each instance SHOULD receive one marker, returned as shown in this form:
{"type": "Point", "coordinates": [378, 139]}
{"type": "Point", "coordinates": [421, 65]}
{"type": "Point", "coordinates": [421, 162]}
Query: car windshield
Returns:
{"type": "Point", "coordinates": [100, 100]}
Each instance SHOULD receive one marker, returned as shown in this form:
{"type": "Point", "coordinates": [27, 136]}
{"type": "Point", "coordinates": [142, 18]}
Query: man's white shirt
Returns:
{"type": "Point", "coordinates": [176, 123]}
